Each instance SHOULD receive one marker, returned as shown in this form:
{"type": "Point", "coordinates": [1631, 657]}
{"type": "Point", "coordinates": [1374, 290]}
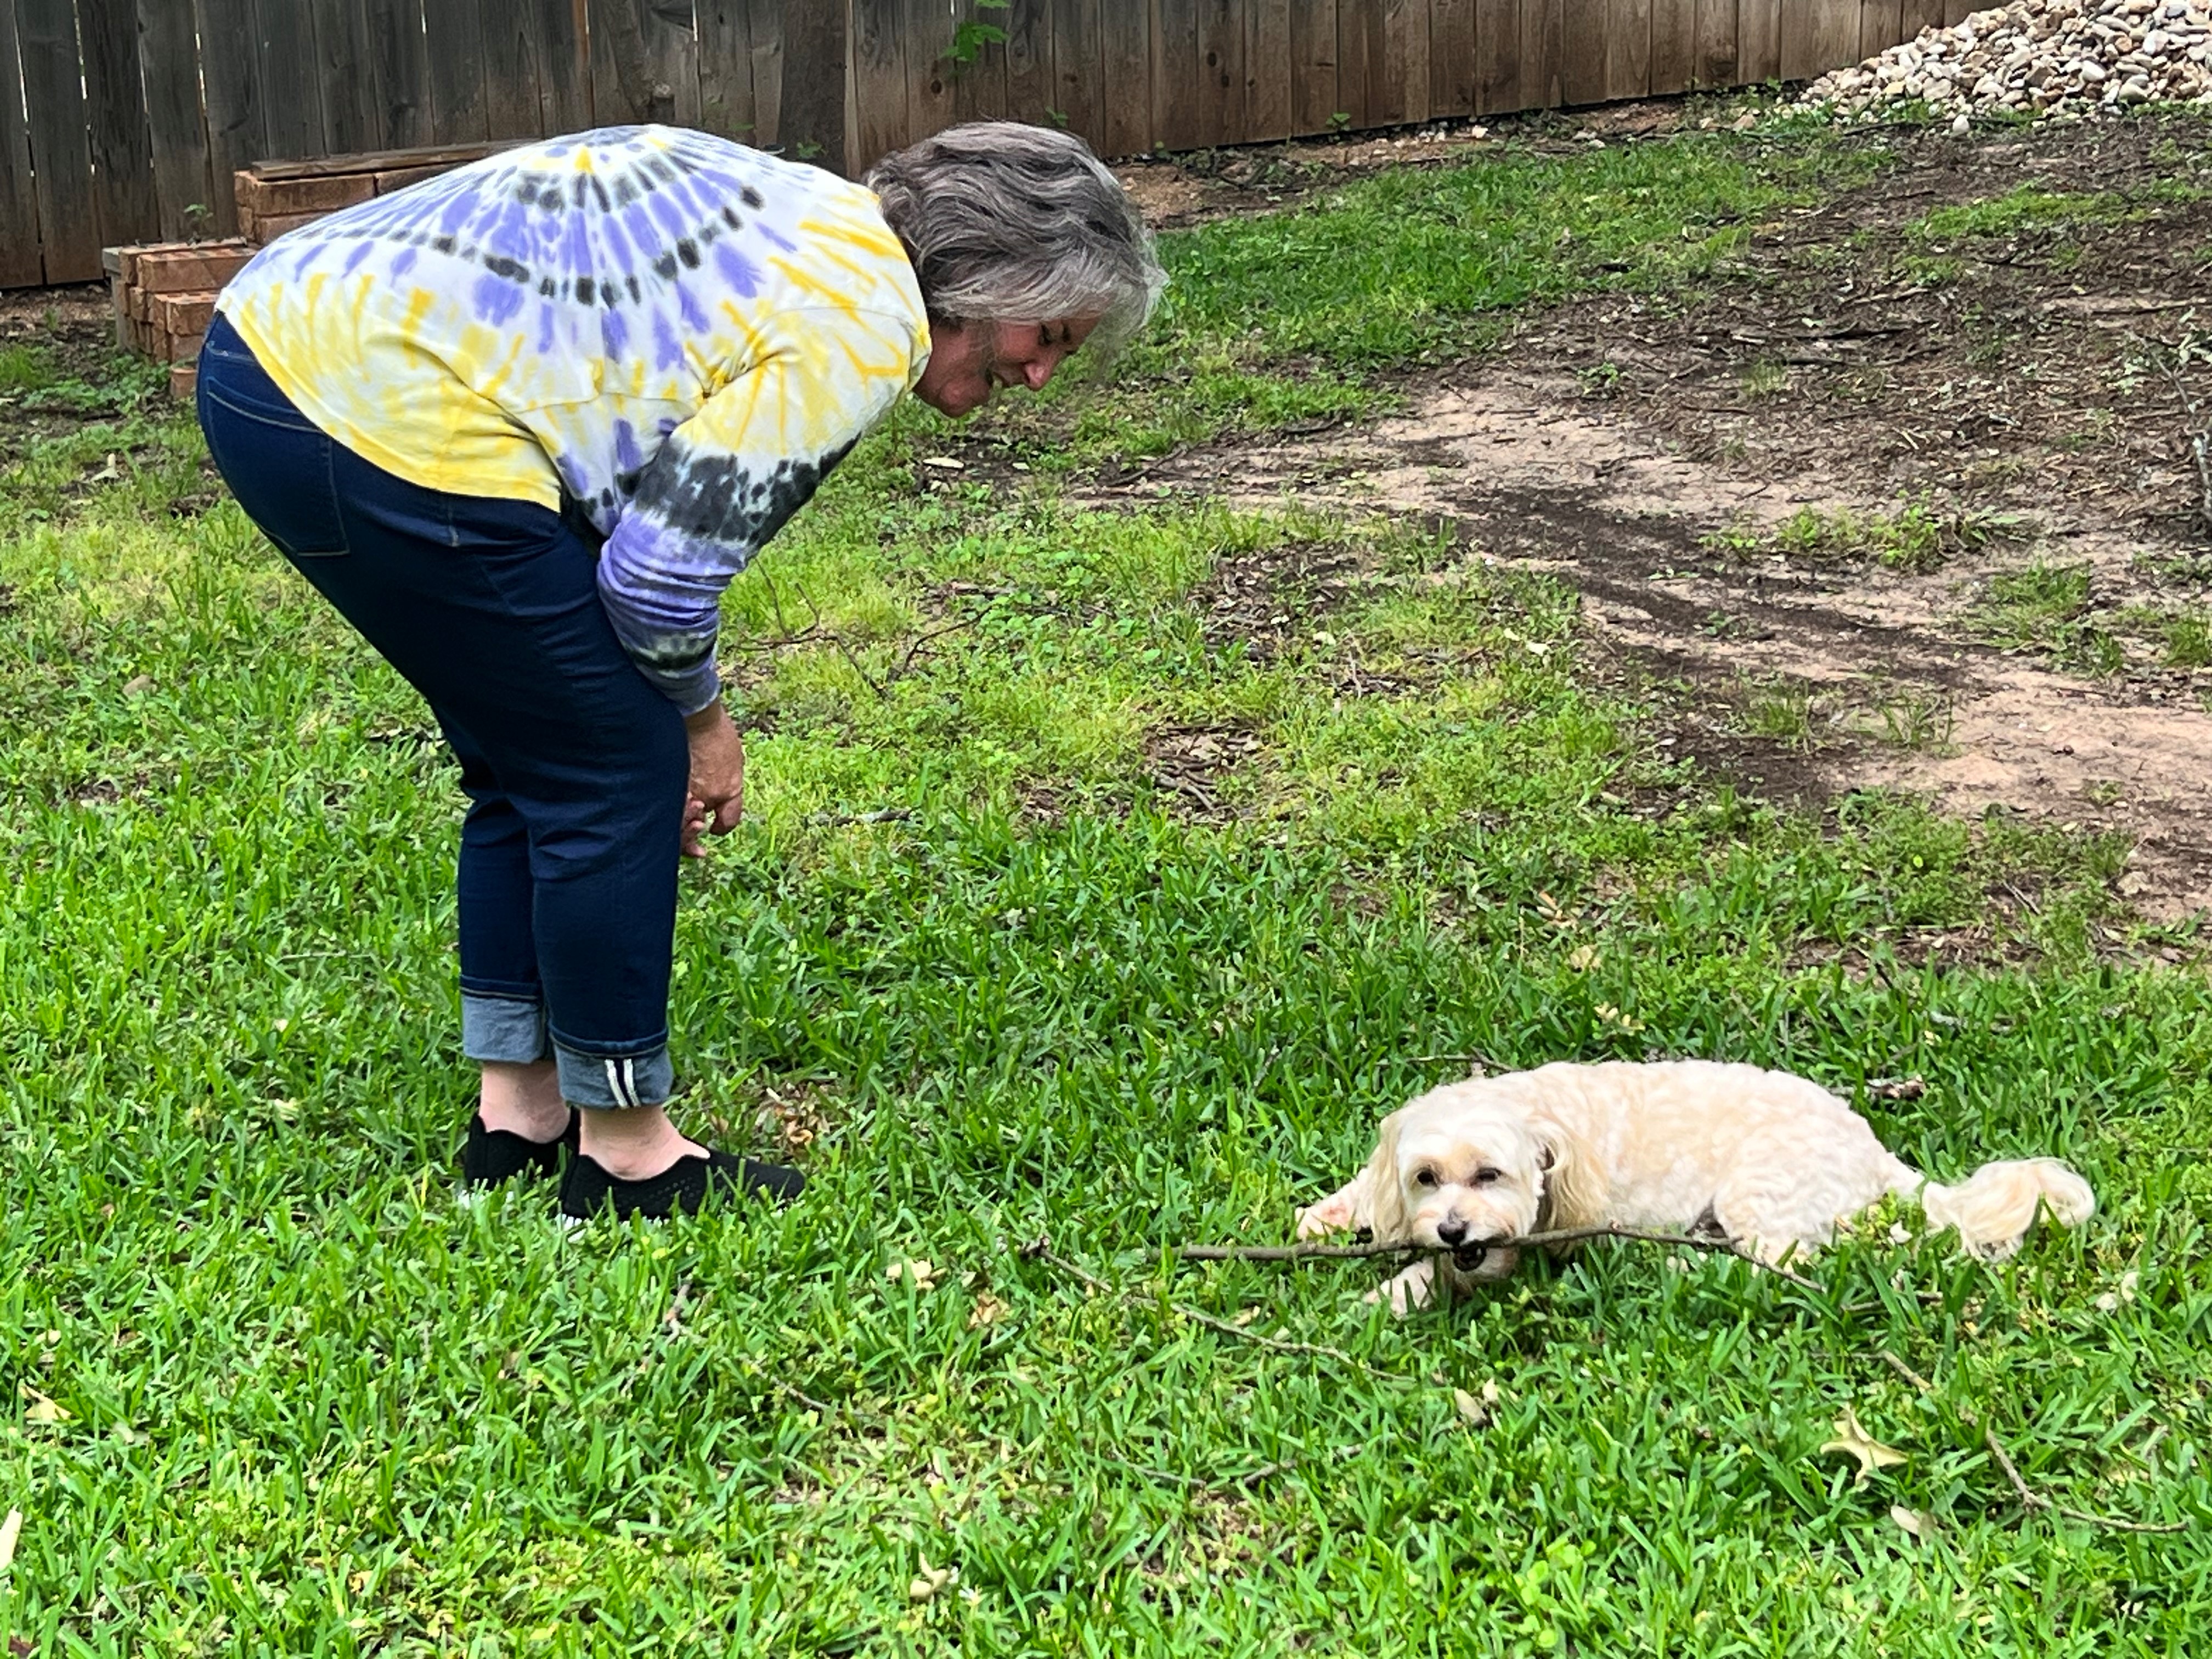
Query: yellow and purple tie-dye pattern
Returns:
{"type": "Point", "coordinates": [677, 335]}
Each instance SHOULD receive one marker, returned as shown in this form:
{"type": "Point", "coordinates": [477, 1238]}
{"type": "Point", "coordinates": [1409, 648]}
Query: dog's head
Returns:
{"type": "Point", "coordinates": [1465, 1171]}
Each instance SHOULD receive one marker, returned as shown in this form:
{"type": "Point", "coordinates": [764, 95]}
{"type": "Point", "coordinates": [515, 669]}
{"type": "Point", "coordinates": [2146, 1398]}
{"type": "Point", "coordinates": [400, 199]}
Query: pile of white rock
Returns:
{"type": "Point", "coordinates": [2037, 55]}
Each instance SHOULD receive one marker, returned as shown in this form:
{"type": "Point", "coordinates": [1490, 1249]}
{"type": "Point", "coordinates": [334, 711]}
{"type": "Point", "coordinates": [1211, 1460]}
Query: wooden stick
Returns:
{"type": "Point", "coordinates": [2036, 1500]}
{"type": "Point", "coordinates": [1532, 1241]}
{"type": "Point", "coordinates": [1041, 1251]}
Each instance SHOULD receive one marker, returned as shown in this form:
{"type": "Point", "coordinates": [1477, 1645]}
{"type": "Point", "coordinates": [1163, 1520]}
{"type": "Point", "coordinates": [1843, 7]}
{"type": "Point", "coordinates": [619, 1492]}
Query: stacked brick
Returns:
{"type": "Point", "coordinates": [165, 298]}
{"type": "Point", "coordinates": [165, 294]}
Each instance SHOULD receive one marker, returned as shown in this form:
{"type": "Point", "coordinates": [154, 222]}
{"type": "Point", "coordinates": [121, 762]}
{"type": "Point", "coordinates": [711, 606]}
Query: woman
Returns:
{"type": "Point", "coordinates": [522, 423]}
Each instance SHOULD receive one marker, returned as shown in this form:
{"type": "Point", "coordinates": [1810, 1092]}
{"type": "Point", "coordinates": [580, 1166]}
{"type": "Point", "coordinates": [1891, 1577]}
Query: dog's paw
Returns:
{"type": "Point", "coordinates": [1409, 1290]}
{"type": "Point", "coordinates": [1332, 1215]}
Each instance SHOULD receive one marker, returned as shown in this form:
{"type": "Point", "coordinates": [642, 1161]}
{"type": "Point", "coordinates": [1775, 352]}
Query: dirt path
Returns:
{"type": "Point", "coordinates": [1861, 359]}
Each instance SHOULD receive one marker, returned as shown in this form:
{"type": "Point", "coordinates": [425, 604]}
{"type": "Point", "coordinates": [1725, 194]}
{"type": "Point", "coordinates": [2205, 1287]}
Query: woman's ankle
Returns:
{"type": "Point", "coordinates": [523, 1100]}
{"type": "Point", "coordinates": [634, 1143]}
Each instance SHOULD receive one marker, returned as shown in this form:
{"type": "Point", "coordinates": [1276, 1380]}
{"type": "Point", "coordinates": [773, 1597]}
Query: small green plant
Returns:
{"type": "Point", "coordinates": [26, 368]}
{"type": "Point", "coordinates": [1599, 379]}
{"type": "Point", "coordinates": [1783, 711]}
{"type": "Point", "coordinates": [1915, 721]}
{"type": "Point", "coordinates": [2189, 641]}
{"type": "Point", "coordinates": [1917, 537]}
{"type": "Point", "coordinates": [973, 35]}
{"type": "Point", "coordinates": [1765, 378]}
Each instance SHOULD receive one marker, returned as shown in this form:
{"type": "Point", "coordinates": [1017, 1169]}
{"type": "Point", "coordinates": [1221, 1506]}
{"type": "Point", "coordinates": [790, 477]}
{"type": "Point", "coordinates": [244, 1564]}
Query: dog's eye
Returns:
{"type": "Point", "coordinates": [1424, 1178]}
{"type": "Point", "coordinates": [1487, 1177]}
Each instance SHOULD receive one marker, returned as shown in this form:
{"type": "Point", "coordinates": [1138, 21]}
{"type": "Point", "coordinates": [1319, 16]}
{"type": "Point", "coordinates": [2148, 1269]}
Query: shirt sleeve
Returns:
{"type": "Point", "coordinates": [725, 480]}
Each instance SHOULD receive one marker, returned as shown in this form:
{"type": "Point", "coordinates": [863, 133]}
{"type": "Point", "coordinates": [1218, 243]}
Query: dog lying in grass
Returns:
{"type": "Point", "coordinates": [1769, 1161]}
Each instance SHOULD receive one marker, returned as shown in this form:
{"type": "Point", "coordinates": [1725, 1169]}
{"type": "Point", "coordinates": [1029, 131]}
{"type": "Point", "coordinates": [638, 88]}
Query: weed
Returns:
{"type": "Point", "coordinates": [1766, 378]}
{"type": "Point", "coordinates": [2189, 641]}
{"type": "Point", "coordinates": [1917, 537]}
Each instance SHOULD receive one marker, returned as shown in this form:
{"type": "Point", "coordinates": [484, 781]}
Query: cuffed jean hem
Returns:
{"type": "Point", "coordinates": [609, 1082]}
{"type": "Point", "coordinates": [504, 1030]}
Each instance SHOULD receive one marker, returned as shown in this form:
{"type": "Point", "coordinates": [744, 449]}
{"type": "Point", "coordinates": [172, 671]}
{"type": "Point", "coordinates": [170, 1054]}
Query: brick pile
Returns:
{"type": "Point", "coordinates": [165, 293]}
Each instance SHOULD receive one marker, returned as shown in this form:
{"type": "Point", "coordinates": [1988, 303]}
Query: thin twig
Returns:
{"type": "Point", "coordinates": [2036, 1500]}
{"type": "Point", "coordinates": [1483, 1062]}
{"type": "Point", "coordinates": [1906, 1371]}
{"type": "Point", "coordinates": [1530, 1242]}
{"type": "Point", "coordinates": [2200, 441]}
{"type": "Point", "coordinates": [1041, 1251]}
{"type": "Point", "coordinates": [881, 815]}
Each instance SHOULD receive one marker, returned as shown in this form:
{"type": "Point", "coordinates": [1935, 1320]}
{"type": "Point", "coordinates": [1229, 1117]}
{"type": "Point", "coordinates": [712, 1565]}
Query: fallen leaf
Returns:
{"type": "Point", "coordinates": [41, 1409]}
{"type": "Point", "coordinates": [1912, 1520]}
{"type": "Point", "coordinates": [10, 1530]}
{"type": "Point", "coordinates": [945, 463]}
{"type": "Point", "coordinates": [1583, 956]}
{"type": "Point", "coordinates": [1899, 1233]}
{"type": "Point", "coordinates": [1473, 1410]}
{"type": "Point", "coordinates": [1490, 1392]}
{"type": "Point", "coordinates": [137, 683]}
{"type": "Point", "coordinates": [1855, 1442]}
{"type": "Point", "coordinates": [930, 1581]}
{"type": "Point", "coordinates": [921, 1271]}
{"type": "Point", "coordinates": [987, 1310]}
{"type": "Point", "coordinates": [2111, 1300]}
{"type": "Point", "coordinates": [113, 470]}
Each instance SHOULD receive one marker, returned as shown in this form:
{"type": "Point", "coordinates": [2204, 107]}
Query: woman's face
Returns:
{"type": "Point", "coordinates": [969, 362]}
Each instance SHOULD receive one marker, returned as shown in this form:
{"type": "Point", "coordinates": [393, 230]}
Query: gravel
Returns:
{"type": "Point", "coordinates": [2074, 56]}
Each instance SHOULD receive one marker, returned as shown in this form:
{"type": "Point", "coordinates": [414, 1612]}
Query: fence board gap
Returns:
{"type": "Point", "coordinates": [21, 264]}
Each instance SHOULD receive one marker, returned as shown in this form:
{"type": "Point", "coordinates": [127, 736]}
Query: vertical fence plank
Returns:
{"type": "Point", "coordinates": [231, 84]}
{"type": "Point", "coordinates": [1817, 36]}
{"type": "Point", "coordinates": [341, 72]}
{"type": "Point", "coordinates": [1674, 44]}
{"type": "Point", "coordinates": [21, 263]}
{"type": "Point", "coordinates": [1714, 62]}
{"type": "Point", "coordinates": [671, 41]}
{"type": "Point", "coordinates": [1408, 28]}
{"type": "Point", "coordinates": [1920, 15]}
{"type": "Point", "coordinates": [1543, 39]}
{"type": "Point", "coordinates": [930, 103]}
{"type": "Point", "coordinates": [1221, 109]}
{"type": "Point", "coordinates": [291, 90]}
{"type": "Point", "coordinates": [1313, 65]}
{"type": "Point", "coordinates": [1958, 11]}
{"type": "Point", "coordinates": [1177, 121]}
{"type": "Point", "coordinates": [1125, 48]}
{"type": "Point", "coordinates": [1627, 48]}
{"type": "Point", "coordinates": [879, 79]}
{"type": "Point", "coordinates": [725, 68]}
{"type": "Point", "coordinates": [768, 71]}
{"type": "Point", "coordinates": [979, 85]}
{"type": "Point", "coordinates": [1029, 61]}
{"type": "Point", "coordinates": [513, 100]}
{"type": "Point", "coordinates": [1078, 94]}
{"type": "Point", "coordinates": [1358, 61]}
{"type": "Point", "coordinates": [1582, 67]}
{"type": "Point", "coordinates": [61, 154]}
{"type": "Point", "coordinates": [455, 44]}
{"type": "Point", "coordinates": [810, 118]}
{"type": "Point", "coordinates": [169, 64]}
{"type": "Point", "coordinates": [1758, 40]}
{"type": "Point", "coordinates": [398, 70]}
{"type": "Point", "coordinates": [1498, 56]}
{"type": "Point", "coordinates": [1267, 70]}
{"type": "Point", "coordinates": [1881, 26]}
{"type": "Point", "coordinates": [122, 144]}
{"type": "Point", "coordinates": [1454, 76]}
{"type": "Point", "coordinates": [564, 67]}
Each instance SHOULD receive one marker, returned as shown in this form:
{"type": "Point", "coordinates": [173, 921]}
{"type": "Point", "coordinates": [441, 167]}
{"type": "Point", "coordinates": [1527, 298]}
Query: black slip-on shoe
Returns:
{"type": "Point", "coordinates": [680, 1189]}
{"type": "Point", "coordinates": [493, 1156]}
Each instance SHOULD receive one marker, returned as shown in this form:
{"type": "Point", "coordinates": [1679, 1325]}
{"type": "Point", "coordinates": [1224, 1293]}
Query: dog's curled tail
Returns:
{"type": "Point", "coordinates": [1994, 1207]}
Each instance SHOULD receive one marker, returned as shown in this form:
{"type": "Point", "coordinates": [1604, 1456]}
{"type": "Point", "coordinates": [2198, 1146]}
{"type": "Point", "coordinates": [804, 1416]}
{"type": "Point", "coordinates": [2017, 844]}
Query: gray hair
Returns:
{"type": "Point", "coordinates": [1006, 223]}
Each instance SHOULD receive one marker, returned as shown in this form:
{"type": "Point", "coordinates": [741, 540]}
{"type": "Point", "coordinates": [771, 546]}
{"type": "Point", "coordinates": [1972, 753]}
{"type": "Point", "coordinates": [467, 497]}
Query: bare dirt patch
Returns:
{"type": "Point", "coordinates": [1654, 453]}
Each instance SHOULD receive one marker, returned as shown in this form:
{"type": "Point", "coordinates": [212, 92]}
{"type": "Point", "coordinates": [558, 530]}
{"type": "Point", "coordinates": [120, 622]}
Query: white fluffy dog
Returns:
{"type": "Point", "coordinates": [1766, 1160]}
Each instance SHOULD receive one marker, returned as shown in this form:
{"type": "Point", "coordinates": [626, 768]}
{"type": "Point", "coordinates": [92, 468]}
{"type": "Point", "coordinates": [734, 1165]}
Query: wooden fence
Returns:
{"type": "Point", "coordinates": [133, 114]}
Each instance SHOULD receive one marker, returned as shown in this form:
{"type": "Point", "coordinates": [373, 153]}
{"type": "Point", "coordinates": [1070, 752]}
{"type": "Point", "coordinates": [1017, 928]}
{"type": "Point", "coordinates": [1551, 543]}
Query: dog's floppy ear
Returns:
{"type": "Point", "coordinates": [1568, 1179]}
{"type": "Point", "coordinates": [1382, 1208]}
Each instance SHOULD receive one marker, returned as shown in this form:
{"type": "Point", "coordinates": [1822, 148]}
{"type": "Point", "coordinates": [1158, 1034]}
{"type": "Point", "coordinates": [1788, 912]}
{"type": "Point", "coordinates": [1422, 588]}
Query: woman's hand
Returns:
{"type": "Point", "coordinates": [717, 777]}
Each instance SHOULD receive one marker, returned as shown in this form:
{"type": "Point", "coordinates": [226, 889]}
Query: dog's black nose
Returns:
{"type": "Point", "coordinates": [1452, 1230]}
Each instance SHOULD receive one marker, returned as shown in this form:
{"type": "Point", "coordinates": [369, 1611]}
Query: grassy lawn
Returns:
{"type": "Point", "coordinates": [1067, 905]}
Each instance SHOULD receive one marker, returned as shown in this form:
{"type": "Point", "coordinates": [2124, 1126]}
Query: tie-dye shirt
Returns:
{"type": "Point", "coordinates": [678, 335]}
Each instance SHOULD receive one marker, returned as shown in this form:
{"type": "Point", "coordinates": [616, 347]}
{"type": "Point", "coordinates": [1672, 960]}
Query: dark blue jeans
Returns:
{"type": "Point", "coordinates": [575, 767]}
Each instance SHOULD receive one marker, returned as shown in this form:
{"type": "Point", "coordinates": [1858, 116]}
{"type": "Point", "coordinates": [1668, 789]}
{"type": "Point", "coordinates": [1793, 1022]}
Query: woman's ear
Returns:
{"type": "Point", "coordinates": [1383, 1198]}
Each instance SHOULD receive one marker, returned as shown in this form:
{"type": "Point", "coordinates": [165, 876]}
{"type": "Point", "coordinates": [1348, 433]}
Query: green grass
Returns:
{"type": "Point", "coordinates": [2047, 608]}
{"type": "Point", "coordinates": [304, 1399]}
{"type": "Point", "coordinates": [1918, 537]}
{"type": "Point", "coordinates": [1294, 316]}
{"type": "Point", "coordinates": [2031, 208]}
